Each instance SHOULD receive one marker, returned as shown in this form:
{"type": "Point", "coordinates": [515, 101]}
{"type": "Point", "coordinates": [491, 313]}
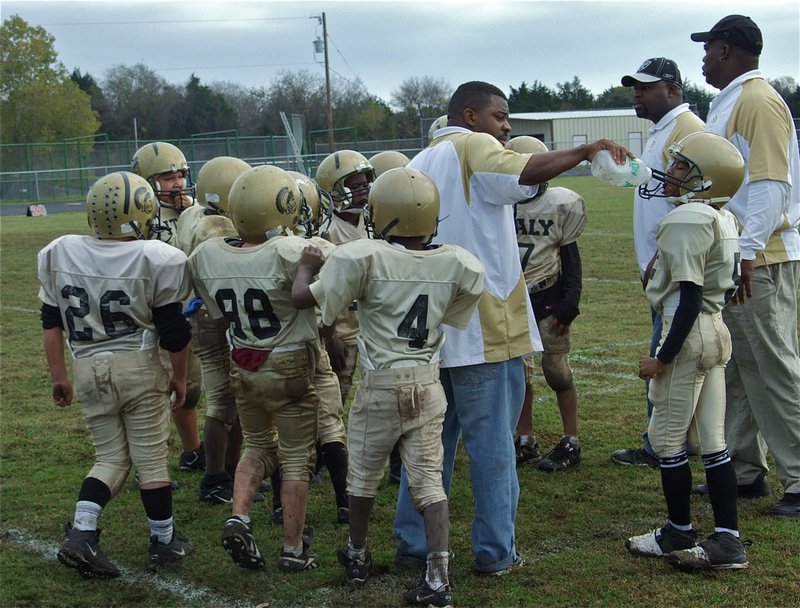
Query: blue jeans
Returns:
{"type": "Point", "coordinates": [483, 406]}
{"type": "Point", "coordinates": [654, 340]}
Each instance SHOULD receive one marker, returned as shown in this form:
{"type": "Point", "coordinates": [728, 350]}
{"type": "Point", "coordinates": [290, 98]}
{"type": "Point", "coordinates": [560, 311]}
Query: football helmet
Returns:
{"type": "Point", "coordinates": [716, 171]}
{"type": "Point", "coordinates": [525, 144]}
{"type": "Point", "coordinates": [264, 202]}
{"type": "Point", "coordinates": [215, 179]}
{"type": "Point", "coordinates": [404, 202]}
{"type": "Point", "coordinates": [312, 202]}
{"type": "Point", "coordinates": [121, 204]}
{"type": "Point", "coordinates": [388, 159]}
{"type": "Point", "coordinates": [439, 123]}
{"type": "Point", "coordinates": [335, 169]}
{"type": "Point", "coordinates": [157, 158]}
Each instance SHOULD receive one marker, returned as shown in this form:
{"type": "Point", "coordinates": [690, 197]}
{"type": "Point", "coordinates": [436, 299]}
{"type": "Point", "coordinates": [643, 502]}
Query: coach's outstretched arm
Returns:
{"type": "Point", "coordinates": [547, 165]}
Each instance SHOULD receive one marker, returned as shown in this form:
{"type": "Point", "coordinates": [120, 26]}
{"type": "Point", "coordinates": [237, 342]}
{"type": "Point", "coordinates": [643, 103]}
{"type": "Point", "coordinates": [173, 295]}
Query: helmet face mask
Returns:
{"type": "Point", "coordinates": [312, 204]}
{"type": "Point", "coordinates": [404, 202]}
{"type": "Point", "coordinates": [265, 201]}
{"type": "Point", "coordinates": [336, 174]}
{"type": "Point", "coordinates": [214, 182]}
{"type": "Point", "coordinates": [703, 168]}
{"type": "Point", "coordinates": [120, 204]}
{"type": "Point", "coordinates": [158, 159]}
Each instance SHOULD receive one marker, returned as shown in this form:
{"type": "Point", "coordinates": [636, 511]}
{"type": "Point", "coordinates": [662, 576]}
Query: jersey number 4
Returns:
{"type": "Point", "coordinates": [414, 326]}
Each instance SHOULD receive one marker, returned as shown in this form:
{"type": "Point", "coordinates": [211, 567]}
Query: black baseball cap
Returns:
{"type": "Point", "coordinates": [653, 70]}
{"type": "Point", "coordinates": [738, 30]}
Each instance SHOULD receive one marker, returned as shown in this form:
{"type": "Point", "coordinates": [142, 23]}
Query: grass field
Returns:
{"type": "Point", "coordinates": [570, 528]}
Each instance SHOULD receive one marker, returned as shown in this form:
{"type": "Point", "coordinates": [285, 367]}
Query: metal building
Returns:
{"type": "Point", "coordinates": [562, 130]}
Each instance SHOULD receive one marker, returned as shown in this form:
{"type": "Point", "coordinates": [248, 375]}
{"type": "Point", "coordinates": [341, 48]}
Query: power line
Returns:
{"type": "Point", "coordinates": [162, 22]}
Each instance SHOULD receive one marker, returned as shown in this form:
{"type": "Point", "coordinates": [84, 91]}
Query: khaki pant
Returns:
{"type": "Point", "coordinates": [331, 428]}
{"type": "Point", "coordinates": [210, 345]}
{"type": "Point", "coordinates": [405, 404]}
{"type": "Point", "coordinates": [689, 397]}
{"type": "Point", "coordinates": [763, 378]}
{"type": "Point", "coordinates": [279, 396]}
{"type": "Point", "coordinates": [124, 401]}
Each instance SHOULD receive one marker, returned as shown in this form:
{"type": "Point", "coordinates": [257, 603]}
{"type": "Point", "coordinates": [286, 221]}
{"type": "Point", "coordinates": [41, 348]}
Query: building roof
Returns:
{"type": "Point", "coordinates": [573, 114]}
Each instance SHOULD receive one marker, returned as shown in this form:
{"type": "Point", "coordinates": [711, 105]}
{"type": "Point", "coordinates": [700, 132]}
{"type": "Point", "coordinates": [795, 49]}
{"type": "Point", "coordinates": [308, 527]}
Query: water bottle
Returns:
{"type": "Point", "coordinates": [633, 173]}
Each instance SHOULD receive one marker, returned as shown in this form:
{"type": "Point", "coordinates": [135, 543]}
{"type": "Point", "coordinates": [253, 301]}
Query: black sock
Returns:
{"type": "Point", "coordinates": [676, 481]}
{"type": "Point", "coordinates": [722, 490]}
{"type": "Point", "coordinates": [157, 503]}
{"type": "Point", "coordinates": [335, 456]}
{"type": "Point", "coordinates": [94, 490]}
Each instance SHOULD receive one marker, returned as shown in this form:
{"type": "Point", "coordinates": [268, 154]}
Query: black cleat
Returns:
{"type": "Point", "coordinates": [177, 548]}
{"type": "Point", "coordinates": [81, 549]}
{"type": "Point", "coordinates": [720, 551]}
{"type": "Point", "coordinates": [422, 595]}
{"type": "Point", "coordinates": [194, 460]}
{"type": "Point", "coordinates": [239, 542]}
{"type": "Point", "coordinates": [565, 455]}
{"type": "Point", "coordinates": [355, 570]}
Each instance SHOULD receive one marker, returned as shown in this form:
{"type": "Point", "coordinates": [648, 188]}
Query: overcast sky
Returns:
{"type": "Point", "coordinates": [385, 42]}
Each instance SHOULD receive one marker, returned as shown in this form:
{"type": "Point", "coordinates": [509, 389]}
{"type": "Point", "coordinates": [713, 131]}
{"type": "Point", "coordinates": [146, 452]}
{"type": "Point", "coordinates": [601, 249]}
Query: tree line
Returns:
{"type": "Point", "coordinates": [41, 101]}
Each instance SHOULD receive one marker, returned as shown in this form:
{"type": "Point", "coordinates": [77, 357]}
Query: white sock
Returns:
{"type": "Point", "coordinates": [436, 575]}
{"type": "Point", "coordinates": [86, 515]}
{"type": "Point", "coordinates": [353, 553]}
{"type": "Point", "coordinates": [161, 529]}
{"type": "Point", "coordinates": [686, 528]}
{"type": "Point", "coordinates": [244, 518]}
{"type": "Point", "coordinates": [728, 530]}
{"type": "Point", "coordinates": [525, 439]}
{"type": "Point", "coordinates": [296, 551]}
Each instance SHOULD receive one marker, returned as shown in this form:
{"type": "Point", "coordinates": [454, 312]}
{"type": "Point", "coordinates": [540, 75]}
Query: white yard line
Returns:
{"type": "Point", "coordinates": [136, 578]}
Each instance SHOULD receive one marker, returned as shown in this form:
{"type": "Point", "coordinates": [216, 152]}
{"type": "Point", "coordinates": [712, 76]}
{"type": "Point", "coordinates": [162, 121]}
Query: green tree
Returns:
{"type": "Point", "coordinates": [697, 98]}
{"type": "Point", "coordinates": [203, 110]}
{"type": "Point", "coordinates": [536, 97]}
{"type": "Point", "coordinates": [38, 100]}
{"type": "Point", "coordinates": [790, 91]}
{"type": "Point", "coordinates": [248, 104]}
{"type": "Point", "coordinates": [572, 95]}
{"type": "Point", "coordinates": [136, 95]}
{"type": "Point", "coordinates": [417, 98]}
{"type": "Point", "coordinates": [615, 97]}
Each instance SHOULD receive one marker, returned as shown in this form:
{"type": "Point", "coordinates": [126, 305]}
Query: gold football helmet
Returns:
{"type": "Point", "coordinates": [215, 179]}
{"type": "Point", "coordinates": [388, 159]}
{"type": "Point", "coordinates": [716, 171]}
{"type": "Point", "coordinates": [334, 170]}
{"type": "Point", "coordinates": [439, 123]}
{"type": "Point", "coordinates": [525, 144]}
{"type": "Point", "coordinates": [120, 204]}
{"type": "Point", "coordinates": [312, 202]}
{"type": "Point", "coordinates": [157, 158]}
{"type": "Point", "coordinates": [404, 202]}
{"type": "Point", "coordinates": [264, 202]}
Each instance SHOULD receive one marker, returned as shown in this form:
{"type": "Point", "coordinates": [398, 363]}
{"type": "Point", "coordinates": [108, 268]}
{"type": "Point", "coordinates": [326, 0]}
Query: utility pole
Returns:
{"type": "Point", "coordinates": [321, 46]}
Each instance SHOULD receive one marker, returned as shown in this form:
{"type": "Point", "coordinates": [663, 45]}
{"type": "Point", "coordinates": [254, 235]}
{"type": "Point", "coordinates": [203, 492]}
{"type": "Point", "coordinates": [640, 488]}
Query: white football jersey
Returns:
{"type": "Point", "coordinates": [699, 244]}
{"type": "Point", "coordinates": [251, 287]}
{"type": "Point", "coordinates": [165, 224]}
{"type": "Point", "coordinates": [555, 219]}
{"type": "Point", "coordinates": [338, 231]}
{"type": "Point", "coordinates": [403, 296]}
{"type": "Point", "coordinates": [106, 290]}
{"type": "Point", "coordinates": [195, 226]}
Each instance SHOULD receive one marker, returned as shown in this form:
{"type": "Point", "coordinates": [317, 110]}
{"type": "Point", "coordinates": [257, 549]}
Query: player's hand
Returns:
{"type": "Point", "coordinates": [337, 351]}
{"type": "Point", "coordinates": [312, 259]}
{"type": "Point", "coordinates": [650, 367]}
{"type": "Point", "coordinates": [177, 393]}
{"type": "Point", "coordinates": [618, 153]}
{"type": "Point", "coordinates": [555, 325]}
{"type": "Point", "coordinates": [745, 291]}
{"type": "Point", "coordinates": [62, 393]}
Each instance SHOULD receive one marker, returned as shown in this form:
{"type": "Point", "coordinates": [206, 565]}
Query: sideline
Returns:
{"type": "Point", "coordinates": [182, 591]}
